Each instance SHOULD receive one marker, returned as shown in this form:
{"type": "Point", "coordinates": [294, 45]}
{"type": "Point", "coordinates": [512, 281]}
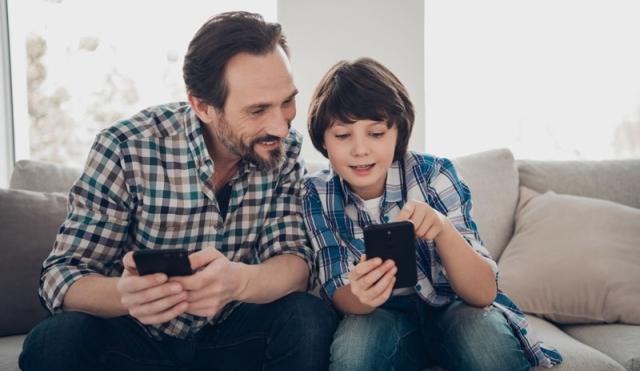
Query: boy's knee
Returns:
{"type": "Point", "coordinates": [364, 342]}
{"type": "Point", "coordinates": [484, 340]}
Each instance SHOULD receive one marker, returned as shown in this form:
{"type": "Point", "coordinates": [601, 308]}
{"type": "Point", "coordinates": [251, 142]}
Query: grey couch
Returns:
{"type": "Point", "coordinates": [34, 206]}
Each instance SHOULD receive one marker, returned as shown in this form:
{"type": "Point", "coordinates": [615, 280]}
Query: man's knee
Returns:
{"type": "Point", "coordinates": [308, 317]}
{"type": "Point", "coordinates": [62, 341]}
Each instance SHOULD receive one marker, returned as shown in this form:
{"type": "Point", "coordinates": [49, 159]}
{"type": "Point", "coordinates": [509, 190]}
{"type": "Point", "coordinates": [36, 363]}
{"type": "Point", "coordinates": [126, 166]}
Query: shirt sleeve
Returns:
{"type": "Point", "coordinates": [283, 232]}
{"type": "Point", "coordinates": [90, 239]}
{"type": "Point", "coordinates": [454, 197]}
{"type": "Point", "coordinates": [332, 258]}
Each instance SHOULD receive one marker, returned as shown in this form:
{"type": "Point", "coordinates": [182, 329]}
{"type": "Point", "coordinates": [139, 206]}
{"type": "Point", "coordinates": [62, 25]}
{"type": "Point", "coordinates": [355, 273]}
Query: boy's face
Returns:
{"type": "Point", "coordinates": [361, 153]}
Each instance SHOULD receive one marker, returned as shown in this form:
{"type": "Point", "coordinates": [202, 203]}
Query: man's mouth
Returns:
{"type": "Point", "coordinates": [269, 143]}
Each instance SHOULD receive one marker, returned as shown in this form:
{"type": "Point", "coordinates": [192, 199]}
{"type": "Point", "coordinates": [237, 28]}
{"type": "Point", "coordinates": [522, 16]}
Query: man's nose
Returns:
{"type": "Point", "coordinates": [280, 123]}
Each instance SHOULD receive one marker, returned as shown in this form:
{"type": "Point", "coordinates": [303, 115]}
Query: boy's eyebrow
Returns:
{"type": "Point", "coordinates": [260, 106]}
{"type": "Point", "coordinates": [349, 123]}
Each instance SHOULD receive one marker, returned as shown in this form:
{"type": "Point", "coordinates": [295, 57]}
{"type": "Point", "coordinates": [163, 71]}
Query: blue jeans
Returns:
{"type": "Point", "coordinates": [292, 333]}
{"type": "Point", "coordinates": [408, 334]}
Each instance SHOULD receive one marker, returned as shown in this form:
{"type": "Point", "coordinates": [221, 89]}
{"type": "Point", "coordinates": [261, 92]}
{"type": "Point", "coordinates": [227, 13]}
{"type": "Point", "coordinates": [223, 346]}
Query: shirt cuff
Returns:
{"type": "Point", "coordinates": [330, 287]}
{"type": "Point", "coordinates": [55, 284]}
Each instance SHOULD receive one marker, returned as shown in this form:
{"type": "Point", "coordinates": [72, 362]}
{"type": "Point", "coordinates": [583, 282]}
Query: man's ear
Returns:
{"type": "Point", "coordinates": [205, 112]}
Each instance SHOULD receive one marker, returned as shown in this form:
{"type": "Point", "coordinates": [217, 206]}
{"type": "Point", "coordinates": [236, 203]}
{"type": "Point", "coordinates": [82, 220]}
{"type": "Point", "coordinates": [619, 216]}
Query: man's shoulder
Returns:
{"type": "Point", "coordinates": [165, 120]}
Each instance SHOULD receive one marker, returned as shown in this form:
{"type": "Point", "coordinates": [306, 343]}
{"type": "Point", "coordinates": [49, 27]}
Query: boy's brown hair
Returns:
{"type": "Point", "coordinates": [360, 90]}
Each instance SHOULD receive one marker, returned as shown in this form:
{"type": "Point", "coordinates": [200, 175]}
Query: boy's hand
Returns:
{"type": "Point", "coordinates": [372, 281]}
{"type": "Point", "coordinates": [427, 222]}
{"type": "Point", "coordinates": [151, 298]}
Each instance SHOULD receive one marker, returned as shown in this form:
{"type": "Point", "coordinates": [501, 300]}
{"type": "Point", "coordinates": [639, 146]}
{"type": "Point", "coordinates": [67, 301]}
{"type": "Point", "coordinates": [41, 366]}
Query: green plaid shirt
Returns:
{"type": "Point", "coordinates": [146, 185]}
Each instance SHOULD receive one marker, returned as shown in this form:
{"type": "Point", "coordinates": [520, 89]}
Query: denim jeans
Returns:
{"type": "Point", "coordinates": [408, 334]}
{"type": "Point", "coordinates": [292, 333]}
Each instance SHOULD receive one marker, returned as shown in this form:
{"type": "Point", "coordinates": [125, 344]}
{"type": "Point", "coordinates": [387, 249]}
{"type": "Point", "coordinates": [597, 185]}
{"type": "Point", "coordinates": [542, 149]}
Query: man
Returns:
{"type": "Point", "coordinates": [220, 177]}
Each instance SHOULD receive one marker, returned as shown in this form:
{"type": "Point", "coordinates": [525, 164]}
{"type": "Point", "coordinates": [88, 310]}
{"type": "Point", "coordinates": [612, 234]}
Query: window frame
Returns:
{"type": "Point", "coordinates": [7, 154]}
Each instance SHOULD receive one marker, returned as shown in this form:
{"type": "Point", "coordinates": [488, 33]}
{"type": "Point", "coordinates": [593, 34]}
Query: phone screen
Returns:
{"type": "Point", "coordinates": [394, 241]}
{"type": "Point", "coordinates": [172, 262]}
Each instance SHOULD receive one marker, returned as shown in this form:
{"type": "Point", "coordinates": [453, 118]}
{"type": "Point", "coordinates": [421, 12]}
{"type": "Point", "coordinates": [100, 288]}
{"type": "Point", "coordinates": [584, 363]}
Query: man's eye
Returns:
{"type": "Point", "coordinates": [257, 112]}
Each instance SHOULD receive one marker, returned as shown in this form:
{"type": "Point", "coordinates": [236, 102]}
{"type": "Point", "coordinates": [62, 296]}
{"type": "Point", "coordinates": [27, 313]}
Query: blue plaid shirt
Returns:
{"type": "Point", "coordinates": [335, 218]}
{"type": "Point", "coordinates": [147, 185]}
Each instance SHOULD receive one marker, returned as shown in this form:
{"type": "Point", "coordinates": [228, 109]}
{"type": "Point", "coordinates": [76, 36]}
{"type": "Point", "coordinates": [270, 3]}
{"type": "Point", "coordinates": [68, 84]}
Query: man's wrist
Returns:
{"type": "Point", "coordinates": [243, 272]}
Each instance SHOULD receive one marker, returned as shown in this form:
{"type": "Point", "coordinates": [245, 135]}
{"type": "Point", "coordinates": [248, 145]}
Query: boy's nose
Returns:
{"type": "Point", "coordinates": [359, 147]}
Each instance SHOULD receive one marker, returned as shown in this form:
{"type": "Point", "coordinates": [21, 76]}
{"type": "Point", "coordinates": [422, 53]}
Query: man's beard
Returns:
{"type": "Point", "coordinates": [248, 152]}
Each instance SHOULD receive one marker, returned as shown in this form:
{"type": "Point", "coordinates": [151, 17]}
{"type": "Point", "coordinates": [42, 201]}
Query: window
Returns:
{"type": "Point", "coordinates": [78, 66]}
{"type": "Point", "coordinates": [548, 79]}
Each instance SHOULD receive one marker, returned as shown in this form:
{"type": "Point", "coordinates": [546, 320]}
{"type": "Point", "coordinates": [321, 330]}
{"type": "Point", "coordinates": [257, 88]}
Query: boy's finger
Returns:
{"type": "Point", "coordinates": [406, 212]}
{"type": "Point", "coordinates": [367, 266]}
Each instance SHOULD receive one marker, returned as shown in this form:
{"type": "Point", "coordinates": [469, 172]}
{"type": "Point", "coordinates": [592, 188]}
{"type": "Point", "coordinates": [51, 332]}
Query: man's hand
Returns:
{"type": "Point", "coordinates": [151, 298]}
{"type": "Point", "coordinates": [216, 282]}
{"type": "Point", "coordinates": [372, 281]}
{"type": "Point", "coordinates": [427, 222]}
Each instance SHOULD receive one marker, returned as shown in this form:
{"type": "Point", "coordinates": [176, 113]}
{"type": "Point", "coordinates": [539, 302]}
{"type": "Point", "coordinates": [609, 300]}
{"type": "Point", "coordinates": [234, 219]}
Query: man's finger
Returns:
{"type": "Point", "coordinates": [202, 258]}
{"type": "Point", "coordinates": [132, 284]}
{"type": "Point", "coordinates": [165, 316]}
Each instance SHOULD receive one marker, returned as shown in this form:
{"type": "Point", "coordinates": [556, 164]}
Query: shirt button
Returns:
{"type": "Point", "coordinates": [385, 219]}
{"type": "Point", "coordinates": [418, 287]}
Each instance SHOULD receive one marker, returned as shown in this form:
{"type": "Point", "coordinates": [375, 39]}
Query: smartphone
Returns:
{"type": "Point", "coordinates": [394, 241]}
{"type": "Point", "coordinates": [172, 262]}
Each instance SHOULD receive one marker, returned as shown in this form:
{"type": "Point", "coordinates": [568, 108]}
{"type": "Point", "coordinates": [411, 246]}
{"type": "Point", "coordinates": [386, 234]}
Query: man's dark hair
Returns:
{"type": "Point", "coordinates": [216, 42]}
{"type": "Point", "coordinates": [360, 90]}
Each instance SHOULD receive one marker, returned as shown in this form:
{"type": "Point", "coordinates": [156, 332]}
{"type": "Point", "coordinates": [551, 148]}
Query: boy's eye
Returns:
{"type": "Point", "coordinates": [377, 134]}
{"type": "Point", "coordinates": [342, 136]}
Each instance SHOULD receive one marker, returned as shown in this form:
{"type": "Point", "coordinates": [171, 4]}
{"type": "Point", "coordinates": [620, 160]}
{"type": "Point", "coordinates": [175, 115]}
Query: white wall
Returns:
{"type": "Point", "coordinates": [6, 129]}
{"type": "Point", "coordinates": [320, 33]}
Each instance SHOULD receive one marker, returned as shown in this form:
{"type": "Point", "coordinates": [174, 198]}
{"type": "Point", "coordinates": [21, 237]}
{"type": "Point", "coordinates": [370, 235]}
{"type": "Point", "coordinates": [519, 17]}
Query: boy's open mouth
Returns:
{"type": "Point", "coordinates": [362, 167]}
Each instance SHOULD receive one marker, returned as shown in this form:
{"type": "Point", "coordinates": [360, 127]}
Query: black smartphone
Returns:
{"type": "Point", "coordinates": [172, 262]}
{"type": "Point", "coordinates": [395, 241]}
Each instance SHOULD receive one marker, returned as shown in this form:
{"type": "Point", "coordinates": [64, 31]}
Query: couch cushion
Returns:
{"type": "Point", "coordinates": [576, 355]}
{"type": "Point", "coordinates": [620, 342]}
{"type": "Point", "coordinates": [574, 259]}
{"type": "Point", "coordinates": [613, 180]}
{"type": "Point", "coordinates": [43, 176]}
{"type": "Point", "coordinates": [10, 348]}
{"type": "Point", "coordinates": [28, 225]}
{"type": "Point", "coordinates": [493, 180]}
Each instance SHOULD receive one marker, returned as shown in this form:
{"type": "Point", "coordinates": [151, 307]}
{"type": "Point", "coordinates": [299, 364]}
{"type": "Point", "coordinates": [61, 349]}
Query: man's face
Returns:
{"type": "Point", "coordinates": [259, 108]}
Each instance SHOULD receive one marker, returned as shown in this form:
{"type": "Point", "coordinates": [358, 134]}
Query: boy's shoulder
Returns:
{"type": "Point", "coordinates": [426, 163]}
{"type": "Point", "coordinates": [320, 180]}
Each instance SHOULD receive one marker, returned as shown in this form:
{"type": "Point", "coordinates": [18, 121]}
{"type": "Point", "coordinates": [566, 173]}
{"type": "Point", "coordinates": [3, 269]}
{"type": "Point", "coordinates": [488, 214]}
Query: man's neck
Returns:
{"type": "Point", "coordinates": [226, 162]}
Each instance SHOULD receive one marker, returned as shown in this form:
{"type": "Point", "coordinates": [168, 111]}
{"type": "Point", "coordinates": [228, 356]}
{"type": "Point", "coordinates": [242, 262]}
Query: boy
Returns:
{"type": "Point", "coordinates": [361, 118]}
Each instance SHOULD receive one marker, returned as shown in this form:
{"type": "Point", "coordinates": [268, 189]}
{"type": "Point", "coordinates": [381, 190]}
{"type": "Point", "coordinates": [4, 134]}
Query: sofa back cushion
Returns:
{"type": "Point", "coordinates": [492, 178]}
{"type": "Point", "coordinates": [612, 180]}
{"type": "Point", "coordinates": [40, 176]}
{"type": "Point", "coordinates": [29, 222]}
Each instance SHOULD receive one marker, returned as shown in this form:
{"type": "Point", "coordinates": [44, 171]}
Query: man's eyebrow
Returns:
{"type": "Point", "coordinates": [261, 106]}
